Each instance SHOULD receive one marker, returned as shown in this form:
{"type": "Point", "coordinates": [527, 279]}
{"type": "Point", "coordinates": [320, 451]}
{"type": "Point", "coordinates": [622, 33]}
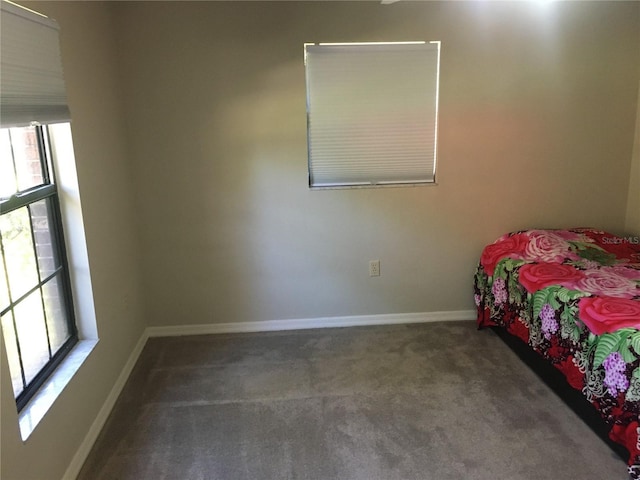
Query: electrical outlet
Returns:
{"type": "Point", "coordinates": [374, 268]}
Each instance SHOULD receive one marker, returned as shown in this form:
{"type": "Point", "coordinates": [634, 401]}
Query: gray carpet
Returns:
{"type": "Point", "coordinates": [438, 401]}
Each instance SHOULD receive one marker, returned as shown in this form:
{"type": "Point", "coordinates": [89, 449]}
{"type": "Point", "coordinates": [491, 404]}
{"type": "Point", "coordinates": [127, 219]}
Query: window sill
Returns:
{"type": "Point", "coordinates": [42, 401]}
{"type": "Point", "coordinates": [373, 185]}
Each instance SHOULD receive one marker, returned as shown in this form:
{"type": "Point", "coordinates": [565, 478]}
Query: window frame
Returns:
{"type": "Point", "coordinates": [47, 190]}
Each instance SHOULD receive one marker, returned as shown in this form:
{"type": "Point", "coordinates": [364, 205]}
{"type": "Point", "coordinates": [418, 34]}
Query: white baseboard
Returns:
{"type": "Point", "coordinates": [262, 326]}
{"type": "Point", "coordinates": [307, 323]}
{"type": "Point", "coordinates": [92, 435]}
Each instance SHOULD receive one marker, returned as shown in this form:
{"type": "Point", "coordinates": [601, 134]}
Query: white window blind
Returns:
{"type": "Point", "coordinates": [372, 113]}
{"type": "Point", "coordinates": [32, 88]}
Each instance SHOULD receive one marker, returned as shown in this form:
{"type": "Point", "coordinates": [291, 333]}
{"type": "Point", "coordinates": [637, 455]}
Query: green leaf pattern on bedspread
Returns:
{"type": "Point", "coordinates": [574, 297]}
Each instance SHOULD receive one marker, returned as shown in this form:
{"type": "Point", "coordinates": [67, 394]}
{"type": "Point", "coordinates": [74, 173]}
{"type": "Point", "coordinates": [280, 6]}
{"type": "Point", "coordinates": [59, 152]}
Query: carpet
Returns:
{"type": "Point", "coordinates": [436, 401]}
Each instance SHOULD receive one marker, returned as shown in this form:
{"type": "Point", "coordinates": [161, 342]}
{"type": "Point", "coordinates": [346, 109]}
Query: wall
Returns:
{"type": "Point", "coordinates": [632, 224]}
{"type": "Point", "coordinates": [538, 107]}
{"type": "Point", "coordinates": [106, 189]}
{"type": "Point", "coordinates": [536, 129]}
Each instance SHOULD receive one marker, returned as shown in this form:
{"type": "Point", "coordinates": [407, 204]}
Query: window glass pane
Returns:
{"type": "Point", "coordinates": [15, 230]}
{"type": "Point", "coordinates": [26, 155]}
{"type": "Point", "coordinates": [56, 314]}
{"type": "Point", "coordinates": [32, 335]}
{"type": "Point", "coordinates": [8, 185]}
{"type": "Point", "coordinates": [45, 248]}
{"type": "Point", "coordinates": [9, 334]}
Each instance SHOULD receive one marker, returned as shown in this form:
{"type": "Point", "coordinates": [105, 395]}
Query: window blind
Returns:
{"type": "Point", "coordinates": [32, 88]}
{"type": "Point", "coordinates": [372, 113]}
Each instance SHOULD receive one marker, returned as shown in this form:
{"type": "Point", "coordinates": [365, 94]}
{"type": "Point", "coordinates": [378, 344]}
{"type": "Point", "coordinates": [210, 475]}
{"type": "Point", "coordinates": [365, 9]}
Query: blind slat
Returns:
{"type": "Point", "coordinates": [372, 113]}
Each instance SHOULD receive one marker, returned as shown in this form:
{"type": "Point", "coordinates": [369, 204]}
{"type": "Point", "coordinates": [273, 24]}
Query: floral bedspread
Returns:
{"type": "Point", "coordinates": [574, 297]}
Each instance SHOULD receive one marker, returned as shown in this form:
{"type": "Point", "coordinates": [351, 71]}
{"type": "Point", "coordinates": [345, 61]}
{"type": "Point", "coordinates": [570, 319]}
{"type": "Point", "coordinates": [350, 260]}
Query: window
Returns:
{"type": "Point", "coordinates": [372, 113]}
{"type": "Point", "coordinates": [35, 294]}
{"type": "Point", "coordinates": [36, 308]}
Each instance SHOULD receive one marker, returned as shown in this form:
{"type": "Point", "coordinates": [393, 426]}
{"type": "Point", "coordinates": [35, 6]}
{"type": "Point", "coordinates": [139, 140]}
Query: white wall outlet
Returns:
{"type": "Point", "coordinates": [374, 268]}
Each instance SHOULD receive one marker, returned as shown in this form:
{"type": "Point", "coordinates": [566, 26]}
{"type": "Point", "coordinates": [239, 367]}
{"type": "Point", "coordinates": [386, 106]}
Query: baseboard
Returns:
{"type": "Point", "coordinates": [240, 327]}
{"type": "Point", "coordinates": [308, 323]}
{"type": "Point", "coordinates": [92, 435]}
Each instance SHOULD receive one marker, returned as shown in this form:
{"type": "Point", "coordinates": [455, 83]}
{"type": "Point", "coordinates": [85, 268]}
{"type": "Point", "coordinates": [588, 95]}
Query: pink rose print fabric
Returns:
{"type": "Point", "coordinates": [574, 297]}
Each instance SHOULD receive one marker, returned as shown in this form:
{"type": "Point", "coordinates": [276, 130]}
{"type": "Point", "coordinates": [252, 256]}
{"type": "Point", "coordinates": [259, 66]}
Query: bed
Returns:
{"type": "Point", "coordinates": [573, 297]}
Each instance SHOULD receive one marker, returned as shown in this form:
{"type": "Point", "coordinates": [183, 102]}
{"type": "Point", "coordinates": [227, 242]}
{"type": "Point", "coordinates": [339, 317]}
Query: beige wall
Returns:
{"type": "Point", "coordinates": [189, 130]}
{"type": "Point", "coordinates": [536, 129]}
{"type": "Point", "coordinates": [633, 203]}
{"type": "Point", "coordinates": [106, 189]}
